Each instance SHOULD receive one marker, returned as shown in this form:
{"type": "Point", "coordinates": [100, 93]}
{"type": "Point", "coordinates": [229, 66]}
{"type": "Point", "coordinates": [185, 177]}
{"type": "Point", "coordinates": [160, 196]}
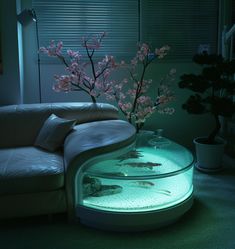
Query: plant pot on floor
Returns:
{"type": "Point", "coordinates": [209, 156]}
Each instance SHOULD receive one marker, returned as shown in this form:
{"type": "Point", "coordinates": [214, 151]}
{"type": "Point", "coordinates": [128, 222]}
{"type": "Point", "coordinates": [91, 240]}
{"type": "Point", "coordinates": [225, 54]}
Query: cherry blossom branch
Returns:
{"type": "Point", "coordinates": [133, 101]}
{"type": "Point", "coordinates": [78, 78]}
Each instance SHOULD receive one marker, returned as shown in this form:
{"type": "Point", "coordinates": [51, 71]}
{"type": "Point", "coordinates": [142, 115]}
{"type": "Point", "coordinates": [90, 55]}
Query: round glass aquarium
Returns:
{"type": "Point", "coordinates": [143, 186]}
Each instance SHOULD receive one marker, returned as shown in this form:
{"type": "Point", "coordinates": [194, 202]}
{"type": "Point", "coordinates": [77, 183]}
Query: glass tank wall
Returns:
{"type": "Point", "coordinates": [152, 175]}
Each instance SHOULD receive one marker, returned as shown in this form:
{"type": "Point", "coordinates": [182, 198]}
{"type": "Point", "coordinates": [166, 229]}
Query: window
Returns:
{"type": "Point", "coordinates": [69, 20]}
{"type": "Point", "coordinates": [182, 24]}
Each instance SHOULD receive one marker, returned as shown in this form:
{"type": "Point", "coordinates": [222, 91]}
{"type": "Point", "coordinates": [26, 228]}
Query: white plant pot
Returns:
{"type": "Point", "coordinates": [209, 156]}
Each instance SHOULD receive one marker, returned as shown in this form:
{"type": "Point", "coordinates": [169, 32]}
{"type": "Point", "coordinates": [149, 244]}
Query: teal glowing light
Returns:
{"type": "Point", "coordinates": [144, 178]}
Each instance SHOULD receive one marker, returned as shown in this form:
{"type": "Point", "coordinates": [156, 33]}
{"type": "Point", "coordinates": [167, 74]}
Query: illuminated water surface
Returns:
{"type": "Point", "coordinates": [144, 179]}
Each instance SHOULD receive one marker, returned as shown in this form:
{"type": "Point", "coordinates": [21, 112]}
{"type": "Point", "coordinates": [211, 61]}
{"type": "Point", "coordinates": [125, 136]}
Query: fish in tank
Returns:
{"type": "Point", "coordinates": [93, 186]}
{"type": "Point", "coordinates": [147, 180]}
{"type": "Point", "coordinates": [143, 178]}
{"type": "Point", "coordinates": [148, 165]}
{"type": "Point", "coordinates": [130, 155]}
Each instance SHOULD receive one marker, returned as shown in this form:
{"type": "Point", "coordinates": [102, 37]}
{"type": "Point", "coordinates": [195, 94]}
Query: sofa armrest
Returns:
{"type": "Point", "coordinates": [89, 140]}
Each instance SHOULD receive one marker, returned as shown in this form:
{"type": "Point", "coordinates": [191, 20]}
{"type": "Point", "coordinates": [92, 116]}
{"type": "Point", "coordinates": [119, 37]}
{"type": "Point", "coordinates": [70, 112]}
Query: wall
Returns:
{"type": "Point", "coordinates": [10, 92]}
{"type": "Point", "coordinates": [181, 126]}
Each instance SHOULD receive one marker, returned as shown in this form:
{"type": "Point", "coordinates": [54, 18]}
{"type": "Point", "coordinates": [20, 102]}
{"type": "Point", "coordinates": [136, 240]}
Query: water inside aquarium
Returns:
{"type": "Point", "coordinates": [147, 177]}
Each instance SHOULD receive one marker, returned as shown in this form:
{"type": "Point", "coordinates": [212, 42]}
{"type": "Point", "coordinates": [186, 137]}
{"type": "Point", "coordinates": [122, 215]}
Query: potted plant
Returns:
{"type": "Point", "coordinates": [213, 89]}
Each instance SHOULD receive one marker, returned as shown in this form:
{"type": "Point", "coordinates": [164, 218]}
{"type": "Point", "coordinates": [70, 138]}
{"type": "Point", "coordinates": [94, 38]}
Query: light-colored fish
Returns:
{"type": "Point", "coordinates": [114, 174]}
{"type": "Point", "coordinates": [164, 192]}
{"type": "Point", "coordinates": [130, 155]}
{"type": "Point", "coordinates": [148, 165]}
{"type": "Point", "coordinates": [144, 184]}
{"type": "Point", "coordinates": [107, 190]}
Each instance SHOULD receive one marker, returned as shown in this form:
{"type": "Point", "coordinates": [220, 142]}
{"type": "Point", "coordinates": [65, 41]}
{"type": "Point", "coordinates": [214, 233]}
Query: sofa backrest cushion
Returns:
{"type": "Point", "coordinates": [53, 132]}
{"type": "Point", "coordinates": [20, 124]}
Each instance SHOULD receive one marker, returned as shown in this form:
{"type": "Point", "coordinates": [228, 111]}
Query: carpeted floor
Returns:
{"type": "Point", "coordinates": [210, 224]}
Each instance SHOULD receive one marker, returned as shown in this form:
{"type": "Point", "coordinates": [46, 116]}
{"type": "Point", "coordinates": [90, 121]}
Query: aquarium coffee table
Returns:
{"type": "Point", "coordinates": [143, 186]}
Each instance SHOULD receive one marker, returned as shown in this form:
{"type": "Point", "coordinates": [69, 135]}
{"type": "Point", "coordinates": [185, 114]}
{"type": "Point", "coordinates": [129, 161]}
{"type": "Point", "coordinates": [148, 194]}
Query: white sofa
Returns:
{"type": "Point", "coordinates": [35, 181]}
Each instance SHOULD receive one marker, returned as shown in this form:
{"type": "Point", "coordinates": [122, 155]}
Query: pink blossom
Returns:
{"type": "Point", "coordinates": [93, 93]}
{"type": "Point", "coordinates": [63, 83]}
{"type": "Point", "coordinates": [131, 92]}
{"type": "Point", "coordinates": [144, 49]}
{"type": "Point", "coordinates": [146, 100]}
{"type": "Point", "coordinates": [167, 110]}
{"type": "Point", "coordinates": [74, 55]}
{"type": "Point", "coordinates": [52, 49]}
{"type": "Point", "coordinates": [93, 42]}
{"type": "Point", "coordinates": [125, 106]}
{"type": "Point", "coordinates": [162, 52]}
{"type": "Point", "coordinates": [144, 113]}
{"type": "Point", "coordinates": [118, 87]}
{"type": "Point", "coordinates": [134, 62]}
{"type": "Point", "coordinates": [109, 96]}
{"type": "Point", "coordinates": [122, 96]}
{"type": "Point", "coordinates": [140, 56]}
{"type": "Point", "coordinates": [125, 81]}
{"type": "Point", "coordinates": [162, 99]}
{"type": "Point", "coordinates": [59, 48]}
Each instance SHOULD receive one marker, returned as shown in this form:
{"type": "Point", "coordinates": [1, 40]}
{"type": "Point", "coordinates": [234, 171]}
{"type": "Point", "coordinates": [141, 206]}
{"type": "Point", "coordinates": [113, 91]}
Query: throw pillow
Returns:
{"type": "Point", "coordinates": [53, 133]}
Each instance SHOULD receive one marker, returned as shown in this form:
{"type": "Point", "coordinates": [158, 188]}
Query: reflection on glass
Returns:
{"type": "Point", "coordinates": [158, 141]}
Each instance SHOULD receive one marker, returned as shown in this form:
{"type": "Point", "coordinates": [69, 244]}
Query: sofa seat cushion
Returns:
{"type": "Point", "coordinates": [30, 169]}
